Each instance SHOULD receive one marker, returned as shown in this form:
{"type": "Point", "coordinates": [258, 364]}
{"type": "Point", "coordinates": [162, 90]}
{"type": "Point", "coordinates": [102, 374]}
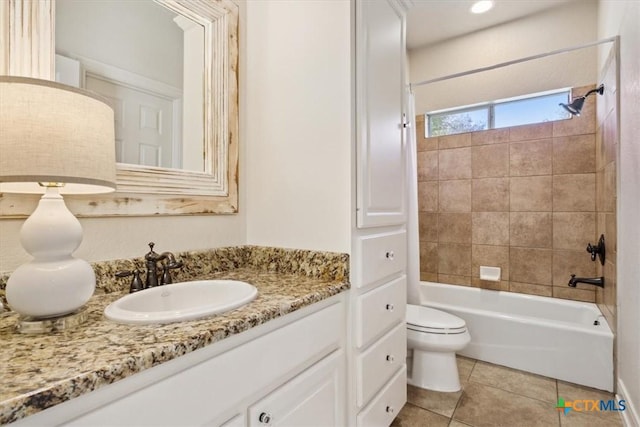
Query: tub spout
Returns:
{"type": "Point", "coordinates": [596, 281]}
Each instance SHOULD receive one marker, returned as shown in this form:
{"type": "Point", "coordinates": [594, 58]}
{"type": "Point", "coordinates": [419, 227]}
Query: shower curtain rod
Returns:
{"type": "Point", "coordinates": [515, 61]}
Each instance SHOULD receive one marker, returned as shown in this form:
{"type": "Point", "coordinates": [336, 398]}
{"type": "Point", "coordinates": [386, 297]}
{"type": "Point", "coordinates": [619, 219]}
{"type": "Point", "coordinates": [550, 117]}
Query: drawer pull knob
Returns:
{"type": "Point", "coordinates": [389, 307]}
{"type": "Point", "coordinates": [390, 255]}
{"type": "Point", "coordinates": [264, 418]}
{"type": "Point", "coordinates": [390, 358]}
{"type": "Point", "coordinates": [390, 409]}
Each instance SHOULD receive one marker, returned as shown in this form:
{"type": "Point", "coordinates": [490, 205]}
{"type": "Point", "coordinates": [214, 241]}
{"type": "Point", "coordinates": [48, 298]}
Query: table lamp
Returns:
{"type": "Point", "coordinates": [54, 139]}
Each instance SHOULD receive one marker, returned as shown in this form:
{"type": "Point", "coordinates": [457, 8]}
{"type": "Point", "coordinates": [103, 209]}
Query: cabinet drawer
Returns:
{"type": "Point", "coordinates": [376, 365]}
{"type": "Point", "coordinates": [379, 309]}
{"type": "Point", "coordinates": [380, 256]}
{"type": "Point", "coordinates": [386, 405]}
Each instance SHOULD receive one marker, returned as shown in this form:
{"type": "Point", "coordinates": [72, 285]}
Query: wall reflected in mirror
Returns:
{"type": "Point", "coordinates": [148, 62]}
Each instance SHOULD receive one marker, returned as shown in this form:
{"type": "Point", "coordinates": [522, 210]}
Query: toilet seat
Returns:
{"type": "Point", "coordinates": [432, 321]}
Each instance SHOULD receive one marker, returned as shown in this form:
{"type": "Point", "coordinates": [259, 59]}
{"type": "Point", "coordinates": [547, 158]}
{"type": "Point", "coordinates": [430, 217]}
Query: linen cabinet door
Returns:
{"type": "Point", "coordinates": [380, 57]}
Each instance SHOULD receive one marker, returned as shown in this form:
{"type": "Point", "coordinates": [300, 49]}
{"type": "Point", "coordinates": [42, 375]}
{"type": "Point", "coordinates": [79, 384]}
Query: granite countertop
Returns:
{"type": "Point", "coordinates": [40, 371]}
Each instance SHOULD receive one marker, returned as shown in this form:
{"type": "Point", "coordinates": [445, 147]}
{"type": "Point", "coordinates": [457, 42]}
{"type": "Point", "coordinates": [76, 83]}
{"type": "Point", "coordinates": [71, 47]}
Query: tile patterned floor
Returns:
{"type": "Point", "coordinates": [495, 396]}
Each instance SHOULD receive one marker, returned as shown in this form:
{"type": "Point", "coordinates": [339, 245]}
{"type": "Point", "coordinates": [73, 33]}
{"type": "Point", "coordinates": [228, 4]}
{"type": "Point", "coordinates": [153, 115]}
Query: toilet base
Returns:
{"type": "Point", "coordinates": [436, 371]}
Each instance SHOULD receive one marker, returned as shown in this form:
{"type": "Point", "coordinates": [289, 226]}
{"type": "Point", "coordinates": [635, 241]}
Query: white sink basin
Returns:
{"type": "Point", "coordinates": [181, 301]}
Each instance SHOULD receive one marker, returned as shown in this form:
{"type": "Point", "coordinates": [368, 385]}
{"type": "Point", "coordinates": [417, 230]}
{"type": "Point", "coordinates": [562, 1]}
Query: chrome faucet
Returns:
{"type": "Point", "coordinates": [152, 259]}
{"type": "Point", "coordinates": [596, 281]}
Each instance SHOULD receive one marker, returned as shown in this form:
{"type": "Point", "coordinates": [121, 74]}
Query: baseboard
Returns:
{"type": "Point", "coordinates": [630, 416]}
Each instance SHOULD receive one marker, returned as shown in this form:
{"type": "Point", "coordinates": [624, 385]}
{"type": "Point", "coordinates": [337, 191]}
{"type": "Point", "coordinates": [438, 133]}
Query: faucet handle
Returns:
{"type": "Point", "coordinates": [166, 274]}
{"type": "Point", "coordinates": [136, 282]}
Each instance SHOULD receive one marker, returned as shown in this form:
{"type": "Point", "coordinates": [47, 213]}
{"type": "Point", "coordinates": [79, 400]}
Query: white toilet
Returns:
{"type": "Point", "coordinates": [435, 336]}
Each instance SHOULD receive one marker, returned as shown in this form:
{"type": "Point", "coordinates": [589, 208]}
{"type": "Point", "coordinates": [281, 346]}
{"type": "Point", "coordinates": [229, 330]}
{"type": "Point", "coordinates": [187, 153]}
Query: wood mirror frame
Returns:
{"type": "Point", "coordinates": [28, 49]}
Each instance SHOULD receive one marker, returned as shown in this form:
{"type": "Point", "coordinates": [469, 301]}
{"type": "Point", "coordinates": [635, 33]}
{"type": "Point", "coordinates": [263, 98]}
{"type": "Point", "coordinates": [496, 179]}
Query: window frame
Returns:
{"type": "Point", "coordinates": [490, 107]}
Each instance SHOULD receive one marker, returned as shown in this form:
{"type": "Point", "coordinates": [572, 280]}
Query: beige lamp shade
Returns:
{"type": "Point", "coordinates": [53, 133]}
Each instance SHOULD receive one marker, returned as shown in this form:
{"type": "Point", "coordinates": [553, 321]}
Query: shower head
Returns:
{"type": "Point", "coordinates": [576, 106]}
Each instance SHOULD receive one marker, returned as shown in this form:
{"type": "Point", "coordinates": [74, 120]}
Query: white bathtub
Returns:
{"type": "Point", "coordinates": [547, 336]}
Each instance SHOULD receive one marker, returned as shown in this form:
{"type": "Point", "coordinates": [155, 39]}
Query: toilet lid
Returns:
{"type": "Point", "coordinates": [429, 318]}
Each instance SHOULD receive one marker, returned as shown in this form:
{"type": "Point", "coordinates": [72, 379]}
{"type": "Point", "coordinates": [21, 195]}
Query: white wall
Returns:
{"type": "Point", "coordinates": [112, 238]}
{"type": "Point", "coordinates": [621, 18]}
{"type": "Point", "coordinates": [566, 26]}
{"type": "Point", "coordinates": [298, 124]}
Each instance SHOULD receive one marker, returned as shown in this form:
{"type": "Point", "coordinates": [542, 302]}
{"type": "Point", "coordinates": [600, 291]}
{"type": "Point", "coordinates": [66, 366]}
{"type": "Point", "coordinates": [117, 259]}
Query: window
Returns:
{"type": "Point", "coordinates": [536, 108]}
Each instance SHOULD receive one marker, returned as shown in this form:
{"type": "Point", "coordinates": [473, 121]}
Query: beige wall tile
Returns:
{"type": "Point", "coordinates": [573, 230]}
{"type": "Point", "coordinates": [574, 154]}
{"type": "Point", "coordinates": [501, 285]}
{"type": "Point", "coordinates": [531, 289]}
{"type": "Point", "coordinates": [455, 196]}
{"type": "Point", "coordinates": [428, 277]}
{"type": "Point", "coordinates": [422, 142]}
{"type": "Point", "coordinates": [600, 190]}
{"type": "Point", "coordinates": [610, 137]}
{"type": "Point", "coordinates": [530, 157]}
{"type": "Point", "coordinates": [428, 225]}
{"type": "Point", "coordinates": [454, 163]}
{"type": "Point", "coordinates": [609, 295]}
{"type": "Point", "coordinates": [454, 259]}
{"type": "Point", "coordinates": [600, 154]}
{"type": "Point", "coordinates": [427, 165]}
{"type": "Point", "coordinates": [574, 193]}
{"type": "Point", "coordinates": [489, 161]}
{"type": "Point", "coordinates": [530, 229]}
{"type": "Point", "coordinates": [454, 228]}
{"type": "Point", "coordinates": [531, 194]}
{"type": "Point", "coordinates": [454, 141]}
{"type": "Point", "coordinates": [610, 232]}
{"type": "Point", "coordinates": [530, 265]}
{"type": "Point", "coordinates": [490, 195]}
{"type": "Point", "coordinates": [585, 123]}
{"type": "Point", "coordinates": [454, 280]}
{"type": "Point", "coordinates": [490, 228]}
{"type": "Point", "coordinates": [566, 263]}
{"type": "Point", "coordinates": [490, 256]}
{"type": "Point", "coordinates": [574, 294]}
{"type": "Point", "coordinates": [427, 144]}
{"type": "Point", "coordinates": [428, 196]}
{"type": "Point", "coordinates": [609, 190]}
{"type": "Point", "coordinates": [428, 257]}
{"type": "Point", "coordinates": [529, 132]}
{"type": "Point", "coordinates": [492, 136]}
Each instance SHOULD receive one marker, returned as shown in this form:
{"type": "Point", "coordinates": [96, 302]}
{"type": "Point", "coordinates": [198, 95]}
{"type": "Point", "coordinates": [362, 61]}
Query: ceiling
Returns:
{"type": "Point", "coordinates": [431, 21]}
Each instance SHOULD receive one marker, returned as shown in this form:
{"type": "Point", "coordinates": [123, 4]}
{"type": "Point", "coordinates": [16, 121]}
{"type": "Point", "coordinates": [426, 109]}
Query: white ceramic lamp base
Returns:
{"type": "Point", "coordinates": [54, 283]}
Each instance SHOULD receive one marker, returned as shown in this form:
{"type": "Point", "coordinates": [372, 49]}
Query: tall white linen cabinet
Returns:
{"type": "Point", "coordinates": [377, 349]}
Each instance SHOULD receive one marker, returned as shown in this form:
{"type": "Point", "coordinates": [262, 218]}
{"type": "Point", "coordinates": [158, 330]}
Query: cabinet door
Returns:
{"type": "Point", "coordinates": [313, 398]}
{"type": "Point", "coordinates": [380, 56]}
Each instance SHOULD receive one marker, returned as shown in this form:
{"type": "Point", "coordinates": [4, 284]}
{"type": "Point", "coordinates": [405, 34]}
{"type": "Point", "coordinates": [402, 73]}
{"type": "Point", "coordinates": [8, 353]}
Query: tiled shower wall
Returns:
{"type": "Point", "coordinates": [606, 155]}
{"type": "Point", "coordinates": [521, 198]}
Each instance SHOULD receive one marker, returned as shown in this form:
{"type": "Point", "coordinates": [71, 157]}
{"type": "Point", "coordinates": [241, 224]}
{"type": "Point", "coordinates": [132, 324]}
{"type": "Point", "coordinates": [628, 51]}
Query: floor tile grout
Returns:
{"type": "Point", "coordinates": [458, 402]}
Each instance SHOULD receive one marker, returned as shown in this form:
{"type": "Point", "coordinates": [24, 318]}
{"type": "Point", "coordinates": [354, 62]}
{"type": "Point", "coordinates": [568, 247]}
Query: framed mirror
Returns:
{"type": "Point", "coordinates": [151, 188]}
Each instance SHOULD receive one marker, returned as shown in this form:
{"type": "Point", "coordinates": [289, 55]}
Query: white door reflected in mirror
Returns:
{"type": "Point", "coordinates": [148, 61]}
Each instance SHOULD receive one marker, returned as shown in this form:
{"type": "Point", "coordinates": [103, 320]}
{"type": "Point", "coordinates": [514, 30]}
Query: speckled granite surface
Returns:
{"type": "Point", "coordinates": [40, 371]}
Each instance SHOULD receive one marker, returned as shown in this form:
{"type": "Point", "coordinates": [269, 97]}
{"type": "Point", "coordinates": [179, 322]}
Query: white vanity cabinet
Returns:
{"type": "Point", "coordinates": [378, 344]}
{"type": "Point", "coordinates": [289, 370]}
